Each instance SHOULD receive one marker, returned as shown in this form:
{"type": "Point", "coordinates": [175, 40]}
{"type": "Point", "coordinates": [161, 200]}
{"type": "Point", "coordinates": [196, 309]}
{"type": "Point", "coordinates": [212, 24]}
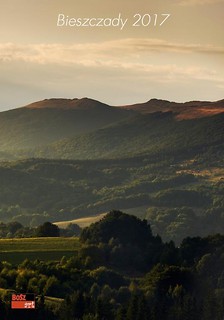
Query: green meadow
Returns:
{"type": "Point", "coordinates": [17, 250]}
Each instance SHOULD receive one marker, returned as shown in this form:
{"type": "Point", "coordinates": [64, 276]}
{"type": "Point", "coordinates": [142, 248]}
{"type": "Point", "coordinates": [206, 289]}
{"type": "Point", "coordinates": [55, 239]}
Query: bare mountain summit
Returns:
{"type": "Point", "coordinates": [70, 104]}
{"type": "Point", "coordinates": [187, 110]}
{"type": "Point", "coordinates": [50, 120]}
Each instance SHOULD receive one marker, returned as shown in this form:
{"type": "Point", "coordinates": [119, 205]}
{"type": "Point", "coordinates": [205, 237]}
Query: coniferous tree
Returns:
{"type": "Point", "coordinates": [121, 313]}
{"type": "Point", "coordinates": [132, 311]}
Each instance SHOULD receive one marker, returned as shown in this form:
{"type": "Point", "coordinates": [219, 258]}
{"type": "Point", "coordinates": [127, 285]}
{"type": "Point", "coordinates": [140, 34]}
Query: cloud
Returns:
{"type": "Point", "coordinates": [136, 58]}
{"type": "Point", "coordinates": [98, 54]}
{"type": "Point", "coordinates": [158, 45]}
{"type": "Point", "coordinates": [199, 2]}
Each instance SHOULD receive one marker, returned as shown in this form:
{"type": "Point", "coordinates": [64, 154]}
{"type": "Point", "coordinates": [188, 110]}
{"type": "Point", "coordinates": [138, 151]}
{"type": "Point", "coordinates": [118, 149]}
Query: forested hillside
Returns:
{"type": "Point", "coordinates": [65, 159]}
{"type": "Point", "coordinates": [88, 129]}
{"type": "Point", "coordinates": [160, 162]}
{"type": "Point", "coordinates": [119, 275]}
{"type": "Point", "coordinates": [179, 197]}
{"type": "Point", "coordinates": [158, 134]}
{"type": "Point", "coordinates": [50, 120]}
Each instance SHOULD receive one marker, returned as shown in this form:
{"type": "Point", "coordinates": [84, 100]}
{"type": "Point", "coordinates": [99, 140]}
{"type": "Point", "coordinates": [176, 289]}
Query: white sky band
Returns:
{"type": "Point", "coordinates": [180, 61]}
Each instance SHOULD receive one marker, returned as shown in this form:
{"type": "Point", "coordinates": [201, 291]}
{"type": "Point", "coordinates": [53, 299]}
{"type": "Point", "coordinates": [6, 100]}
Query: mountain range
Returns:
{"type": "Point", "coordinates": [187, 110]}
{"type": "Point", "coordinates": [63, 159]}
{"type": "Point", "coordinates": [88, 129]}
{"type": "Point", "coordinates": [50, 120]}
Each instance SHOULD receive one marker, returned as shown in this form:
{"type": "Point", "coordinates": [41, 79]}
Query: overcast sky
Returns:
{"type": "Point", "coordinates": [180, 61]}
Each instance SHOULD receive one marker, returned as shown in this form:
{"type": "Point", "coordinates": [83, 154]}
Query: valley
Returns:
{"type": "Point", "coordinates": [71, 160]}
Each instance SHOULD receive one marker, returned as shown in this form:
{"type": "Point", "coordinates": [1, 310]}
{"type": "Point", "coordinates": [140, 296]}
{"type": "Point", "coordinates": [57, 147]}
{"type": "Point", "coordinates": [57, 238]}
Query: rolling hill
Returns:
{"type": "Point", "coordinates": [49, 120]}
{"type": "Point", "coordinates": [78, 158]}
{"type": "Point", "coordinates": [85, 123]}
{"type": "Point", "coordinates": [187, 110]}
{"type": "Point", "coordinates": [156, 135]}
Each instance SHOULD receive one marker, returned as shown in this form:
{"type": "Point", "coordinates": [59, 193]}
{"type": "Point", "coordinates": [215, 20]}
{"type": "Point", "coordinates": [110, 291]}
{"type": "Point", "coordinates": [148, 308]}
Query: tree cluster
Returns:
{"type": "Point", "coordinates": [47, 229]}
{"type": "Point", "coordinates": [176, 283]}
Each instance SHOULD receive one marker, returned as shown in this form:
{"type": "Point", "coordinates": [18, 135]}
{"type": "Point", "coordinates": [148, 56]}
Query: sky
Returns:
{"type": "Point", "coordinates": [181, 60]}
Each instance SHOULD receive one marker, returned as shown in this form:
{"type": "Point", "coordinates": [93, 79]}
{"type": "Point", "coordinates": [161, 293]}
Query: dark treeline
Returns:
{"type": "Point", "coordinates": [123, 272]}
{"type": "Point", "coordinates": [47, 229]}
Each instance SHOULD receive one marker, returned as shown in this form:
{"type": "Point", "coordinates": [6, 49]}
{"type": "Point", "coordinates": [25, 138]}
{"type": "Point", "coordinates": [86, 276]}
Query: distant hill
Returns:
{"type": "Point", "coordinates": [75, 158]}
{"type": "Point", "coordinates": [187, 110]}
{"type": "Point", "coordinates": [179, 195]}
{"type": "Point", "coordinates": [48, 121]}
{"type": "Point", "coordinates": [70, 104]}
{"type": "Point", "coordinates": [156, 135]}
{"type": "Point", "coordinates": [84, 123]}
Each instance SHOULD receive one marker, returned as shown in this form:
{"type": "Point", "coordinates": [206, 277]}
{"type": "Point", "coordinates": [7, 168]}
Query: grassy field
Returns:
{"type": "Point", "coordinates": [87, 221]}
{"type": "Point", "coordinates": [82, 222]}
{"type": "Point", "coordinates": [17, 250]}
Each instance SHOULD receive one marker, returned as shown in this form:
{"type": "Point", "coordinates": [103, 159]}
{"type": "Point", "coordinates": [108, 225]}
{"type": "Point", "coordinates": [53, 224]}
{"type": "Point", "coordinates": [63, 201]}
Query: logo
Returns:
{"type": "Point", "coordinates": [23, 301]}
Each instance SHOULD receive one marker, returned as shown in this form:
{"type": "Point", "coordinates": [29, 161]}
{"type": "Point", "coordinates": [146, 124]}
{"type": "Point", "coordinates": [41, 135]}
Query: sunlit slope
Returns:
{"type": "Point", "coordinates": [158, 134]}
{"type": "Point", "coordinates": [50, 120]}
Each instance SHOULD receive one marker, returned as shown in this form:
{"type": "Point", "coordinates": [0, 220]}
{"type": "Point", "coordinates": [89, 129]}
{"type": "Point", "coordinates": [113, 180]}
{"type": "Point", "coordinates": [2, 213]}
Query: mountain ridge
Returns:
{"type": "Point", "coordinates": [65, 104]}
{"type": "Point", "coordinates": [47, 121]}
{"type": "Point", "coordinates": [185, 110]}
{"type": "Point", "coordinates": [152, 105]}
{"type": "Point", "coordinates": [156, 134]}
{"type": "Point", "coordinates": [87, 129]}
{"type": "Point", "coordinates": [90, 158]}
